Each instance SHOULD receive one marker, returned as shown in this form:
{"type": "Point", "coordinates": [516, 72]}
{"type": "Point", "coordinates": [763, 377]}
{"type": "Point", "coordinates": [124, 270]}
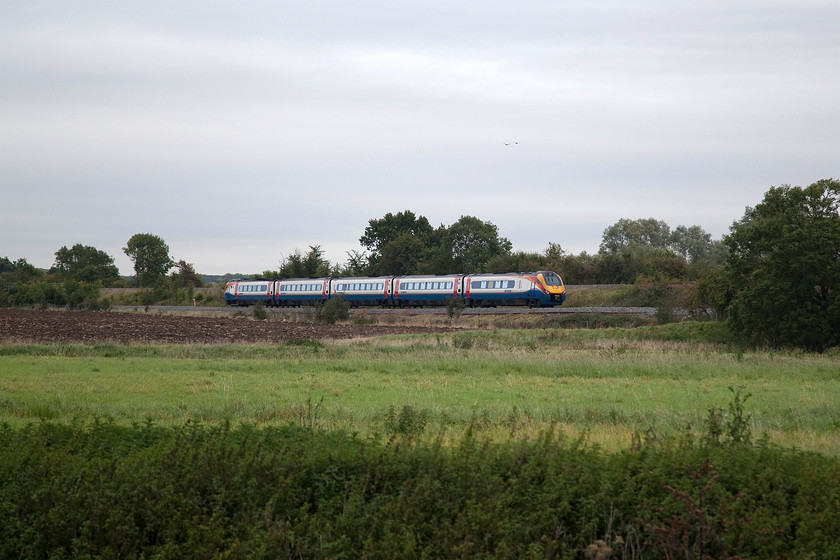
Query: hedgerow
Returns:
{"type": "Point", "coordinates": [105, 491]}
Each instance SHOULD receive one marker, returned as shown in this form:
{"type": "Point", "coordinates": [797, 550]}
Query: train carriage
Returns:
{"type": "Point", "coordinates": [364, 290]}
{"type": "Point", "coordinates": [294, 292]}
{"type": "Point", "coordinates": [419, 291]}
{"type": "Point", "coordinates": [249, 292]}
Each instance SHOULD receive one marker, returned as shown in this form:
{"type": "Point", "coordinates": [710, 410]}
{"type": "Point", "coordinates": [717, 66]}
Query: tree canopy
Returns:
{"type": "Point", "coordinates": [475, 242]}
{"type": "Point", "coordinates": [151, 258]}
{"type": "Point", "coordinates": [784, 268]}
{"type": "Point", "coordinates": [396, 228]}
{"type": "Point", "coordinates": [84, 263]}
{"type": "Point", "coordinates": [311, 265]}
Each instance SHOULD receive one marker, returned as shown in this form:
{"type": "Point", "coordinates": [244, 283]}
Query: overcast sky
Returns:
{"type": "Point", "coordinates": [240, 131]}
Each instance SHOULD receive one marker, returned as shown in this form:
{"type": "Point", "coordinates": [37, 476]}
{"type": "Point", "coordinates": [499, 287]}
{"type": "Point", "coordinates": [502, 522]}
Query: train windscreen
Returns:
{"type": "Point", "coordinates": [551, 279]}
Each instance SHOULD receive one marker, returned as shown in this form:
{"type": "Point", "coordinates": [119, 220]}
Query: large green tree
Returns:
{"type": "Point", "coordinates": [784, 268]}
{"type": "Point", "coordinates": [151, 258]}
{"type": "Point", "coordinates": [84, 263]}
{"type": "Point", "coordinates": [402, 255]}
{"type": "Point", "coordinates": [379, 233]}
{"type": "Point", "coordinates": [475, 242]}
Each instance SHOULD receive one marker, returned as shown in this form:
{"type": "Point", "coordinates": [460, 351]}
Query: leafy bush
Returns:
{"type": "Point", "coordinates": [409, 422]}
{"type": "Point", "coordinates": [454, 307]}
{"type": "Point", "coordinates": [105, 491]}
{"type": "Point", "coordinates": [335, 309]}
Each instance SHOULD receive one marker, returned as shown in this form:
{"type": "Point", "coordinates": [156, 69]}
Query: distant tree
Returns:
{"type": "Point", "coordinates": [402, 255]}
{"type": "Point", "coordinates": [691, 243]}
{"type": "Point", "coordinates": [311, 265]}
{"type": "Point", "coordinates": [18, 271]}
{"type": "Point", "coordinates": [475, 242]}
{"type": "Point", "coordinates": [84, 263]}
{"type": "Point", "coordinates": [437, 258]}
{"type": "Point", "coordinates": [518, 261]}
{"type": "Point", "coordinates": [626, 233]}
{"type": "Point", "coordinates": [784, 268]}
{"type": "Point", "coordinates": [151, 258]}
{"type": "Point", "coordinates": [185, 276]}
{"type": "Point", "coordinates": [357, 264]}
{"type": "Point", "coordinates": [383, 231]}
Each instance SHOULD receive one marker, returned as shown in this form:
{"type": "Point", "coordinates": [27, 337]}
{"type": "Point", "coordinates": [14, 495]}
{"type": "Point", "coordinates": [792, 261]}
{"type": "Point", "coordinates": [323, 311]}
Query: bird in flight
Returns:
{"type": "Point", "coordinates": [509, 143]}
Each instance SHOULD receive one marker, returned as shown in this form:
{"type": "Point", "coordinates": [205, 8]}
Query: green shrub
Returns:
{"type": "Point", "coordinates": [105, 491]}
{"type": "Point", "coordinates": [454, 307]}
{"type": "Point", "coordinates": [335, 309]}
{"type": "Point", "coordinates": [409, 422]}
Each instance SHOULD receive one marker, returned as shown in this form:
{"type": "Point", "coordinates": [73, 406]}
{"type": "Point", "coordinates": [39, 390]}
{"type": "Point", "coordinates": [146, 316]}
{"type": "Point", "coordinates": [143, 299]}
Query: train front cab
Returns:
{"type": "Point", "coordinates": [535, 289]}
{"type": "Point", "coordinates": [553, 286]}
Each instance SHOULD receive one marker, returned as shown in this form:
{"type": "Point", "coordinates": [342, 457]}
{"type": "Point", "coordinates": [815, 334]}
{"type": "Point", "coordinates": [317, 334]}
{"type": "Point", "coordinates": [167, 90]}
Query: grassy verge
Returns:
{"type": "Point", "coordinates": [607, 386]}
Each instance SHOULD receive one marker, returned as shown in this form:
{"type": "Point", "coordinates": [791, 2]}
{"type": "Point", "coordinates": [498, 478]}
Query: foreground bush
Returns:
{"type": "Point", "coordinates": [111, 492]}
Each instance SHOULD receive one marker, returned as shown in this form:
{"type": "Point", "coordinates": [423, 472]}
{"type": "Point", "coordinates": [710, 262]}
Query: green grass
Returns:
{"type": "Point", "coordinates": [606, 385]}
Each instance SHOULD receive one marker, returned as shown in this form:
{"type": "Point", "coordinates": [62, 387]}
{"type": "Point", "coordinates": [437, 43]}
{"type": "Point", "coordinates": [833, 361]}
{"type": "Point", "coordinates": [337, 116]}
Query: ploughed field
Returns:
{"type": "Point", "coordinates": [19, 325]}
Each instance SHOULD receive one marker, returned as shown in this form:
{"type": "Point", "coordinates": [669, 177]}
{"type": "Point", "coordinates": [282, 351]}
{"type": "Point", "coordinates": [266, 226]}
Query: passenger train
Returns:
{"type": "Point", "coordinates": [534, 289]}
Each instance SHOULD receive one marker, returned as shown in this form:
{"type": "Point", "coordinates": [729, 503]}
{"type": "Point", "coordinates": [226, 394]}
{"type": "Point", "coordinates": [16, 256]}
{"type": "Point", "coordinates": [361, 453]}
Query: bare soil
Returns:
{"type": "Point", "coordinates": [23, 325]}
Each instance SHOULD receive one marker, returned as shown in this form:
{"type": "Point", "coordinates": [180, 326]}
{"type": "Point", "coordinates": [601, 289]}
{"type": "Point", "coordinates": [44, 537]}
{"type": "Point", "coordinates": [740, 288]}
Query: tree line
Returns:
{"type": "Point", "coordinates": [775, 277]}
{"type": "Point", "coordinates": [79, 272]}
{"type": "Point", "coordinates": [404, 243]}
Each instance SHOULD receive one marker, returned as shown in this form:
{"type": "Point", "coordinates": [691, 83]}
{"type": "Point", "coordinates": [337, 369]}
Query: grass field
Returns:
{"type": "Point", "coordinates": [606, 386]}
